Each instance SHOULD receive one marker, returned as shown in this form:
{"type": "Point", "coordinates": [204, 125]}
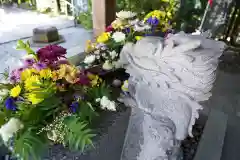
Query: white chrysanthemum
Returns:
{"type": "Point", "coordinates": [107, 65]}
{"type": "Point", "coordinates": [113, 54]}
{"type": "Point", "coordinates": [97, 52]}
{"type": "Point", "coordinates": [10, 128]}
{"type": "Point", "coordinates": [117, 64]}
{"type": "Point", "coordinates": [107, 104]}
{"type": "Point", "coordinates": [97, 56]}
{"type": "Point", "coordinates": [197, 32]}
{"type": "Point", "coordinates": [98, 99]}
{"type": "Point", "coordinates": [52, 135]}
{"type": "Point", "coordinates": [133, 22]}
{"type": "Point", "coordinates": [119, 36]}
{"type": "Point", "coordinates": [89, 59]}
{"type": "Point", "coordinates": [125, 14]}
{"type": "Point", "coordinates": [29, 56]}
{"type": "Point", "coordinates": [4, 81]}
{"type": "Point", "coordinates": [142, 27]}
{"type": "Point", "coordinates": [3, 92]}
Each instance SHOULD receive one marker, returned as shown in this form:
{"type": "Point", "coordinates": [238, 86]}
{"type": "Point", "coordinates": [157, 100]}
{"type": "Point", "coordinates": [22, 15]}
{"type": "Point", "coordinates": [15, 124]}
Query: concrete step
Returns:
{"type": "Point", "coordinates": [232, 140]}
{"type": "Point", "coordinates": [212, 140]}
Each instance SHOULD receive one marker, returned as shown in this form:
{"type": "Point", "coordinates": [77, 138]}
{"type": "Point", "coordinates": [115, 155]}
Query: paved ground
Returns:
{"type": "Point", "coordinates": [226, 90]}
{"type": "Point", "coordinates": [18, 24]}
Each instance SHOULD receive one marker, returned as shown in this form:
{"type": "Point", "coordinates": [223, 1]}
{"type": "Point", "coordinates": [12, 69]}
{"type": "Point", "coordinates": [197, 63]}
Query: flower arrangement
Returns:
{"type": "Point", "coordinates": [49, 100]}
{"type": "Point", "coordinates": [128, 27]}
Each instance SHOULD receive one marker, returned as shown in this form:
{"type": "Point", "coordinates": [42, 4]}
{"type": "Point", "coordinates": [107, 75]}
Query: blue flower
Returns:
{"type": "Point", "coordinates": [127, 30]}
{"type": "Point", "coordinates": [153, 21]}
{"type": "Point", "coordinates": [73, 107]}
{"type": "Point", "coordinates": [10, 104]}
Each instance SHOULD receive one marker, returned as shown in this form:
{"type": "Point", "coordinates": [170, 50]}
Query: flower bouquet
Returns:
{"type": "Point", "coordinates": [128, 27]}
{"type": "Point", "coordinates": [47, 100]}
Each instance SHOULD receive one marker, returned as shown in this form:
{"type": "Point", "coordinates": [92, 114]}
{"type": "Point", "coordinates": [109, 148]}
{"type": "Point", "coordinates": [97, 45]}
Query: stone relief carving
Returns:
{"type": "Point", "coordinates": [168, 77]}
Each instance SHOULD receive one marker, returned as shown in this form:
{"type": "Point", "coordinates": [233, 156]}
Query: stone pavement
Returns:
{"type": "Point", "coordinates": [18, 23]}
{"type": "Point", "coordinates": [75, 39]}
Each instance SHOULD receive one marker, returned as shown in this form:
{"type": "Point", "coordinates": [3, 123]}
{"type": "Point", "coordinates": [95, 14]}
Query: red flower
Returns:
{"type": "Point", "coordinates": [210, 2]}
{"type": "Point", "coordinates": [109, 28]}
{"type": "Point", "coordinates": [51, 53]}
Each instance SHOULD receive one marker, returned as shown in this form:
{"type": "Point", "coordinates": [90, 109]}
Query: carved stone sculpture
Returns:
{"type": "Point", "coordinates": [168, 77]}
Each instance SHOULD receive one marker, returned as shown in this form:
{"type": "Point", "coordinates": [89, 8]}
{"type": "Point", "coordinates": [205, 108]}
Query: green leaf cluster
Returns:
{"type": "Point", "coordinates": [78, 135]}
{"type": "Point", "coordinates": [29, 145]}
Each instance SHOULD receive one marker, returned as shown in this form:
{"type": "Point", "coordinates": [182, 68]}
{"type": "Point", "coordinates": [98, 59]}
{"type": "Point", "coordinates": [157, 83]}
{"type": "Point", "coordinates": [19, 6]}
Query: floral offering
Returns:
{"type": "Point", "coordinates": [128, 27]}
{"type": "Point", "coordinates": [49, 100]}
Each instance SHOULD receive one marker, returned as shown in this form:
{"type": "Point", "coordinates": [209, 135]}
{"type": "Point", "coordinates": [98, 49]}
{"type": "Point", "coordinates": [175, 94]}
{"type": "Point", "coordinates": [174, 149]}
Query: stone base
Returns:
{"type": "Point", "coordinates": [39, 44]}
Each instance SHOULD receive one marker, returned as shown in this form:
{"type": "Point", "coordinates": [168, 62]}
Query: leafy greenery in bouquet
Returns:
{"type": "Point", "coordinates": [49, 100]}
{"type": "Point", "coordinates": [128, 27]}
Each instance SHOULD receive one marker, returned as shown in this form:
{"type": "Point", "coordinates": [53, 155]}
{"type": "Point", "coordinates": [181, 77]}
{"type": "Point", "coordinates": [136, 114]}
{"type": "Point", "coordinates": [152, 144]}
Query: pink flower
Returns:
{"type": "Point", "coordinates": [51, 53]}
{"type": "Point", "coordinates": [15, 75]}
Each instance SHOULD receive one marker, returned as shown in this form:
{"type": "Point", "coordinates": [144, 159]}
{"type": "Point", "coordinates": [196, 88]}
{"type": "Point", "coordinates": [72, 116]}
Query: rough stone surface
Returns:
{"type": "Point", "coordinates": [212, 140]}
{"type": "Point", "coordinates": [166, 83]}
{"type": "Point", "coordinates": [108, 144]}
{"type": "Point", "coordinates": [45, 34]}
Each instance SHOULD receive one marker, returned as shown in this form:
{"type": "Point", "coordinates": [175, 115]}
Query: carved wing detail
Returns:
{"type": "Point", "coordinates": [170, 76]}
{"type": "Point", "coordinates": [183, 62]}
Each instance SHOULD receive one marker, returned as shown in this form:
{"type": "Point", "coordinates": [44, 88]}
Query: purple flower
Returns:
{"type": "Point", "coordinates": [101, 46]}
{"type": "Point", "coordinates": [153, 21]}
{"type": "Point", "coordinates": [39, 66]}
{"type": "Point", "coordinates": [83, 78]}
{"type": "Point", "coordinates": [51, 53]}
{"type": "Point", "coordinates": [10, 104]}
{"type": "Point", "coordinates": [15, 75]}
{"type": "Point", "coordinates": [29, 61]}
{"type": "Point", "coordinates": [127, 30]}
{"type": "Point", "coordinates": [74, 106]}
{"type": "Point", "coordinates": [79, 96]}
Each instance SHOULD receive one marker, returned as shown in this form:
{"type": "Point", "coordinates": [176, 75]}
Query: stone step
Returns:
{"type": "Point", "coordinates": [212, 140]}
{"type": "Point", "coordinates": [232, 140]}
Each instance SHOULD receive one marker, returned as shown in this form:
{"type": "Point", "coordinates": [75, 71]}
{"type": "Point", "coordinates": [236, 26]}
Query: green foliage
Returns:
{"type": "Point", "coordinates": [25, 46]}
{"type": "Point", "coordinates": [29, 145]}
{"type": "Point", "coordinates": [85, 18]}
{"type": "Point", "coordinates": [98, 92]}
{"type": "Point", "coordinates": [86, 111]}
{"type": "Point", "coordinates": [189, 15]}
{"type": "Point", "coordinates": [79, 135]}
{"type": "Point", "coordinates": [140, 5]}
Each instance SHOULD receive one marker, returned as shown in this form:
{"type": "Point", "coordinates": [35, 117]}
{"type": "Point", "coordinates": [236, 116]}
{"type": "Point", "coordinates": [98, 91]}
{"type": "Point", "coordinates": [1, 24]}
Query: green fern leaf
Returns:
{"type": "Point", "coordinates": [78, 135]}
{"type": "Point", "coordinates": [29, 145]}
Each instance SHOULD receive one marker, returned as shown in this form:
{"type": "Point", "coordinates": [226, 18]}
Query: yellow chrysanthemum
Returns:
{"type": "Point", "coordinates": [95, 79]}
{"type": "Point", "coordinates": [118, 23]}
{"type": "Point", "coordinates": [103, 37]}
{"type": "Point", "coordinates": [138, 37]}
{"type": "Point", "coordinates": [89, 46]}
{"type": "Point", "coordinates": [155, 14]}
{"type": "Point", "coordinates": [68, 72]}
{"type": "Point", "coordinates": [15, 91]}
{"type": "Point", "coordinates": [125, 86]}
{"type": "Point", "coordinates": [32, 83]}
{"type": "Point", "coordinates": [55, 75]}
{"type": "Point", "coordinates": [46, 73]}
{"type": "Point", "coordinates": [32, 97]}
{"type": "Point", "coordinates": [28, 73]}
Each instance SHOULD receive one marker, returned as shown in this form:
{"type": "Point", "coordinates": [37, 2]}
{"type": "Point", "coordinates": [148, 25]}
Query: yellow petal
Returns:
{"type": "Point", "coordinates": [138, 37]}
{"type": "Point", "coordinates": [46, 73]}
{"type": "Point", "coordinates": [15, 91]}
{"type": "Point", "coordinates": [34, 99]}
